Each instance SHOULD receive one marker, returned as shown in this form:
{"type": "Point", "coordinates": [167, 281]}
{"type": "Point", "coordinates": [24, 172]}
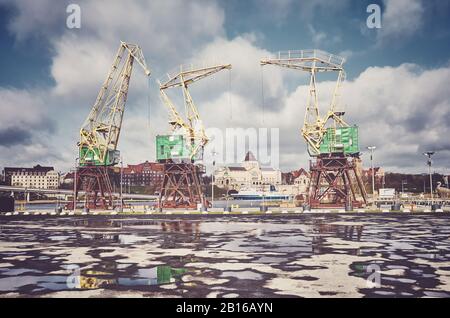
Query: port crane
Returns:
{"type": "Point", "coordinates": [335, 180]}
{"type": "Point", "coordinates": [182, 150]}
{"type": "Point", "coordinates": [314, 62]}
{"type": "Point", "coordinates": [99, 135]}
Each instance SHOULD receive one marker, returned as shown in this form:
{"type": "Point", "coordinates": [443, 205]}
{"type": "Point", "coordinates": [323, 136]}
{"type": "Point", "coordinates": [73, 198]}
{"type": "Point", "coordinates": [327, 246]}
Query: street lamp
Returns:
{"type": "Point", "coordinates": [429, 154]}
{"type": "Point", "coordinates": [75, 185]}
{"type": "Point", "coordinates": [403, 183]}
{"type": "Point", "coordinates": [424, 183]}
{"type": "Point", "coordinates": [227, 197]}
{"type": "Point", "coordinates": [372, 148]}
{"type": "Point", "coordinates": [121, 184]}
{"type": "Point", "coordinates": [214, 153]}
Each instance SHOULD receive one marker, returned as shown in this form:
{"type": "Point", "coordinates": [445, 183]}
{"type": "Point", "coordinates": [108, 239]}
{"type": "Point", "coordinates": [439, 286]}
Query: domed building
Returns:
{"type": "Point", "coordinates": [248, 175]}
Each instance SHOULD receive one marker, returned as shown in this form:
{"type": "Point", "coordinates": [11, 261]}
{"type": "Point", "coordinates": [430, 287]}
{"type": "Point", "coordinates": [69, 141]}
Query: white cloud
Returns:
{"type": "Point", "coordinates": [321, 38]}
{"type": "Point", "coordinates": [24, 109]}
{"type": "Point", "coordinates": [168, 32]}
{"type": "Point", "coordinates": [400, 20]}
{"type": "Point", "coordinates": [73, 69]}
{"type": "Point", "coordinates": [414, 103]}
{"type": "Point", "coordinates": [403, 110]}
{"type": "Point", "coordinates": [244, 56]}
{"type": "Point", "coordinates": [318, 37]}
{"type": "Point", "coordinates": [163, 28]}
{"type": "Point", "coordinates": [36, 18]}
{"type": "Point", "coordinates": [400, 109]}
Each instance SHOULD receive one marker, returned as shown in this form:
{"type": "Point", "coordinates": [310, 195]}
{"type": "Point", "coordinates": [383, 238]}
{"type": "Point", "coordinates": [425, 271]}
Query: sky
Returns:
{"type": "Point", "coordinates": [396, 90]}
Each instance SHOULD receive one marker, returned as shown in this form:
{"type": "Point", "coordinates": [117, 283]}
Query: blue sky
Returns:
{"type": "Point", "coordinates": [396, 88]}
{"type": "Point", "coordinates": [24, 64]}
{"type": "Point", "coordinates": [28, 63]}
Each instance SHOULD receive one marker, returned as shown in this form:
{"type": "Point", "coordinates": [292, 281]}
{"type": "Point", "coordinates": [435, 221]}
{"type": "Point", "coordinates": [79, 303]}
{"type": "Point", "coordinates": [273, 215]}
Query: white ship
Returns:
{"type": "Point", "coordinates": [256, 195]}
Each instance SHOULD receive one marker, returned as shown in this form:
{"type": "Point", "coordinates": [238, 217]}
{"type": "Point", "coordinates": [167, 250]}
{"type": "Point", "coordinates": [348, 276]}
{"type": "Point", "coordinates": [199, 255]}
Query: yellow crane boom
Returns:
{"type": "Point", "coordinates": [100, 132]}
{"type": "Point", "coordinates": [313, 62]}
{"type": "Point", "coordinates": [189, 125]}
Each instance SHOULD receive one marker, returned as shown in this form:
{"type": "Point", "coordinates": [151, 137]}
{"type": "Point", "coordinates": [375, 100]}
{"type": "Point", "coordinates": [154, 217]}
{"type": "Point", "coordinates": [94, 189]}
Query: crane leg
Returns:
{"type": "Point", "coordinates": [96, 183]}
{"type": "Point", "coordinates": [181, 186]}
{"type": "Point", "coordinates": [335, 183]}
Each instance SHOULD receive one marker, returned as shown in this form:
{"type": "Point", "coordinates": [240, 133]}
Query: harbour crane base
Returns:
{"type": "Point", "coordinates": [182, 186]}
{"type": "Point", "coordinates": [336, 183]}
{"type": "Point", "coordinates": [95, 181]}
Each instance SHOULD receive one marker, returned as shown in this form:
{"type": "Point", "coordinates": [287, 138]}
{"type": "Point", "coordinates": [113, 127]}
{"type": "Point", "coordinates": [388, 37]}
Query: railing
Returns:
{"type": "Point", "coordinates": [70, 192]}
{"type": "Point", "coordinates": [416, 201]}
{"type": "Point", "coordinates": [187, 67]}
{"type": "Point", "coordinates": [312, 54]}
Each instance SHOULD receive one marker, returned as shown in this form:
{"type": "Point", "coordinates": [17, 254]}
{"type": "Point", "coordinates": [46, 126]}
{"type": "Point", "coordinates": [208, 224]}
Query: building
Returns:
{"type": "Point", "coordinates": [38, 177]}
{"type": "Point", "coordinates": [379, 177]}
{"type": "Point", "coordinates": [146, 174]}
{"type": "Point", "coordinates": [295, 182]}
{"type": "Point", "coordinates": [248, 175]}
{"type": "Point", "coordinates": [143, 174]}
{"type": "Point", "coordinates": [301, 181]}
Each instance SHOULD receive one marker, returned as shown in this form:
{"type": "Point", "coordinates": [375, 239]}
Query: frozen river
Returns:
{"type": "Point", "coordinates": [332, 255]}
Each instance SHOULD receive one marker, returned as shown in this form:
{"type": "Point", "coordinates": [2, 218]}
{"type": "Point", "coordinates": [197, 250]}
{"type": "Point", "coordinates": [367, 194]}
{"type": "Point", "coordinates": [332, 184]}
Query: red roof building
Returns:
{"type": "Point", "coordinates": [143, 174]}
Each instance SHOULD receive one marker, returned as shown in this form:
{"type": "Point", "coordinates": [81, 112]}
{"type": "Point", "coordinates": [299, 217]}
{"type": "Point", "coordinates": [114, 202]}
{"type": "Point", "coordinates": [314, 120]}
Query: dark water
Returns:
{"type": "Point", "coordinates": [374, 255]}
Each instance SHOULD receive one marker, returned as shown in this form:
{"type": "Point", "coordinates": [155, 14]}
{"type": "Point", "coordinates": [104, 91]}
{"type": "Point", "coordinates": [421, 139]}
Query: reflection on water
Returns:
{"type": "Point", "coordinates": [350, 232]}
{"type": "Point", "coordinates": [87, 279]}
{"type": "Point", "coordinates": [96, 223]}
{"type": "Point", "coordinates": [191, 228]}
{"type": "Point", "coordinates": [101, 237]}
{"type": "Point", "coordinates": [143, 277]}
{"type": "Point", "coordinates": [217, 204]}
{"type": "Point", "coordinates": [242, 275]}
{"type": "Point", "coordinates": [252, 256]}
{"type": "Point", "coordinates": [154, 276]}
{"type": "Point", "coordinates": [37, 283]}
{"type": "Point", "coordinates": [321, 230]}
{"type": "Point", "coordinates": [181, 226]}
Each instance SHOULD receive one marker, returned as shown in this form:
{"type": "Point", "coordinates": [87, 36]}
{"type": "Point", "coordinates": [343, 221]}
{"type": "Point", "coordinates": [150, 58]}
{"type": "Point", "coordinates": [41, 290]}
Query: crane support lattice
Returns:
{"type": "Point", "coordinates": [100, 132]}
{"type": "Point", "coordinates": [314, 62]}
{"type": "Point", "coordinates": [190, 125]}
{"type": "Point", "coordinates": [182, 185]}
{"type": "Point", "coordinates": [335, 178]}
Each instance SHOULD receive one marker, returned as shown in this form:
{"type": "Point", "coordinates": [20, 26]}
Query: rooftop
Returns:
{"type": "Point", "coordinates": [250, 157]}
{"type": "Point", "coordinates": [237, 169]}
{"type": "Point", "coordinates": [37, 168]}
{"type": "Point", "coordinates": [145, 166]}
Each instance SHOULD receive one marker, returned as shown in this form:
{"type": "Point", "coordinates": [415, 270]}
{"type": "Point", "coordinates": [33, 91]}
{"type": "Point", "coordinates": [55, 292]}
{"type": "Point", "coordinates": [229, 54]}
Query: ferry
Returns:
{"type": "Point", "coordinates": [255, 195]}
